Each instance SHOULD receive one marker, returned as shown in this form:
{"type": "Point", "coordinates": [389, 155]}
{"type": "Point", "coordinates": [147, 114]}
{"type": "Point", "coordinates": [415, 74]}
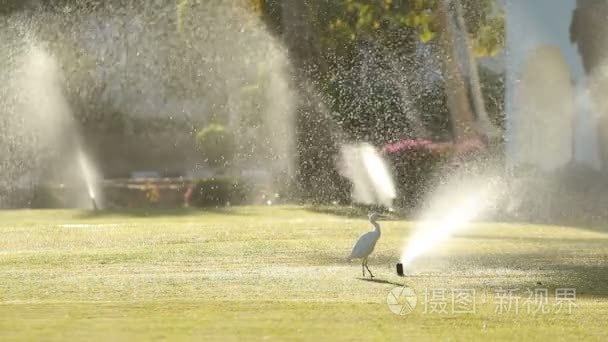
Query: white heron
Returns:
{"type": "Point", "coordinates": [366, 243]}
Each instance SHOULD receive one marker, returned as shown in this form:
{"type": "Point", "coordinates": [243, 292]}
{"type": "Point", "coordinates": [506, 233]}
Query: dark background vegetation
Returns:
{"type": "Point", "coordinates": [377, 71]}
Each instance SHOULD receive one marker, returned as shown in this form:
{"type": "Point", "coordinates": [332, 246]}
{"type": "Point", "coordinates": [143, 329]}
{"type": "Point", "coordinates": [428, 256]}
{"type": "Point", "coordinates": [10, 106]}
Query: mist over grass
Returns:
{"type": "Point", "coordinates": [277, 273]}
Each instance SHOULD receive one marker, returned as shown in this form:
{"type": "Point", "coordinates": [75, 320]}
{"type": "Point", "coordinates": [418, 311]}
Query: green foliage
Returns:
{"type": "Point", "coordinates": [351, 19]}
{"type": "Point", "coordinates": [109, 122]}
{"type": "Point", "coordinates": [356, 18]}
{"type": "Point", "coordinates": [493, 88]}
{"type": "Point", "coordinates": [148, 194]}
{"type": "Point", "coordinates": [220, 191]}
{"type": "Point", "coordinates": [370, 108]}
{"type": "Point", "coordinates": [432, 106]}
{"type": "Point", "coordinates": [48, 197]}
{"type": "Point", "coordinates": [490, 37]}
{"type": "Point", "coordinates": [421, 17]}
{"type": "Point", "coordinates": [415, 172]}
{"type": "Point", "coordinates": [217, 145]}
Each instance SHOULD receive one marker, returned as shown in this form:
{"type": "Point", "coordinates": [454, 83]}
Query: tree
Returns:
{"type": "Point", "coordinates": [316, 141]}
{"type": "Point", "coordinates": [325, 37]}
{"type": "Point", "coordinates": [434, 22]}
{"type": "Point", "coordinates": [588, 32]}
{"type": "Point", "coordinates": [216, 145]}
{"type": "Point", "coordinates": [461, 113]}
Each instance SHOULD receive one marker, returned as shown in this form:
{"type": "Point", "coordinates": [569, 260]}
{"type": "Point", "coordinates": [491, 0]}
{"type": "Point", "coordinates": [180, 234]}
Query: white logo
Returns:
{"type": "Point", "coordinates": [401, 300]}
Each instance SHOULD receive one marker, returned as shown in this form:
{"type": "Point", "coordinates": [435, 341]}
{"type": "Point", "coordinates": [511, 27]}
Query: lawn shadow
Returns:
{"type": "Point", "coordinates": [587, 222]}
{"type": "Point", "coordinates": [522, 271]}
{"type": "Point", "coordinates": [158, 212]}
{"type": "Point", "coordinates": [381, 281]}
{"type": "Point", "coordinates": [377, 259]}
{"type": "Point", "coordinates": [539, 239]}
{"type": "Point", "coordinates": [581, 221]}
{"type": "Point", "coordinates": [357, 211]}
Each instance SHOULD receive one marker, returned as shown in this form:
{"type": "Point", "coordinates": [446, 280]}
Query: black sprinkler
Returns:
{"type": "Point", "coordinates": [400, 270]}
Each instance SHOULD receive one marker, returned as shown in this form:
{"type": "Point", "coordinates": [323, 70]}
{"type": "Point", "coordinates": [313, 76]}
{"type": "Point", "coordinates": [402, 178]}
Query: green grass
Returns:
{"type": "Point", "coordinates": [279, 273]}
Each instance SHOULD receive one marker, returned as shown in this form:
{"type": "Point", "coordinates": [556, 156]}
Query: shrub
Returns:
{"type": "Point", "coordinates": [152, 192]}
{"type": "Point", "coordinates": [418, 163]}
{"type": "Point", "coordinates": [220, 191]}
{"type": "Point", "coordinates": [149, 194]}
{"type": "Point", "coordinates": [415, 164]}
{"type": "Point", "coordinates": [47, 197]}
{"type": "Point", "coordinates": [217, 145]}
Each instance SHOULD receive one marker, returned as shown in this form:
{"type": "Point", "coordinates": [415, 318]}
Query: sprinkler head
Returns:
{"type": "Point", "coordinates": [400, 270]}
{"type": "Point", "coordinates": [95, 208]}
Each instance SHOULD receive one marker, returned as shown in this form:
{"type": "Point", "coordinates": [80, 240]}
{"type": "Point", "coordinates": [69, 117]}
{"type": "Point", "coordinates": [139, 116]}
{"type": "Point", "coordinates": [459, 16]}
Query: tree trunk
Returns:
{"type": "Point", "coordinates": [317, 178]}
{"type": "Point", "coordinates": [588, 31]}
{"type": "Point", "coordinates": [483, 120]}
{"type": "Point", "coordinates": [461, 114]}
{"type": "Point", "coordinates": [301, 36]}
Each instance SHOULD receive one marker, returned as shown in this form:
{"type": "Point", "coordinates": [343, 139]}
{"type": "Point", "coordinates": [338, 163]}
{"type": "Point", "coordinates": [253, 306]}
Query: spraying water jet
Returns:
{"type": "Point", "coordinates": [40, 89]}
{"type": "Point", "coordinates": [88, 175]}
{"type": "Point", "coordinates": [444, 218]}
{"type": "Point", "coordinates": [369, 174]}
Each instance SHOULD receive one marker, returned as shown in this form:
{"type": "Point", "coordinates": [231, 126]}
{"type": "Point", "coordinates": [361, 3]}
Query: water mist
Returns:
{"type": "Point", "coordinates": [451, 208]}
{"type": "Point", "coordinates": [46, 116]}
{"type": "Point", "coordinates": [368, 172]}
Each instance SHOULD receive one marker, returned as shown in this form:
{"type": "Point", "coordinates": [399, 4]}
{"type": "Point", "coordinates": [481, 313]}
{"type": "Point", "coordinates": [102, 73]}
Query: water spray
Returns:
{"type": "Point", "coordinates": [94, 203]}
{"type": "Point", "coordinates": [88, 174]}
{"type": "Point", "coordinates": [472, 200]}
{"type": "Point", "coordinates": [367, 170]}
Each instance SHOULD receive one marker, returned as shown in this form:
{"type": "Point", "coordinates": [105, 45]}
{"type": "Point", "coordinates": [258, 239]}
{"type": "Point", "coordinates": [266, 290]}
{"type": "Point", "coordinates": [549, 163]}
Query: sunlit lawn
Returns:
{"type": "Point", "coordinates": [277, 273]}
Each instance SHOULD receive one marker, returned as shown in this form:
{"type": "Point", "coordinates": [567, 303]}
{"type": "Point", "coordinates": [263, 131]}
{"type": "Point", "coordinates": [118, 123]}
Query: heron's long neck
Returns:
{"type": "Point", "coordinates": [376, 226]}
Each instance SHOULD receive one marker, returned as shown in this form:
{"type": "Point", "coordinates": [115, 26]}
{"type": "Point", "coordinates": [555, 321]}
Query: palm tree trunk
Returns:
{"type": "Point", "coordinates": [483, 120]}
{"type": "Point", "coordinates": [461, 114]}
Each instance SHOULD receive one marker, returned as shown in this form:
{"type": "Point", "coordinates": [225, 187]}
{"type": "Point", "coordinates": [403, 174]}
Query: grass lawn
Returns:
{"type": "Point", "coordinates": [275, 273]}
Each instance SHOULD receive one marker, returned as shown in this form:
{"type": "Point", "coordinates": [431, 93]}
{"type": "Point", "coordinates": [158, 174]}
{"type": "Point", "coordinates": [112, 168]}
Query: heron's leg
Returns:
{"type": "Point", "coordinates": [363, 266]}
{"type": "Point", "coordinates": [370, 272]}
